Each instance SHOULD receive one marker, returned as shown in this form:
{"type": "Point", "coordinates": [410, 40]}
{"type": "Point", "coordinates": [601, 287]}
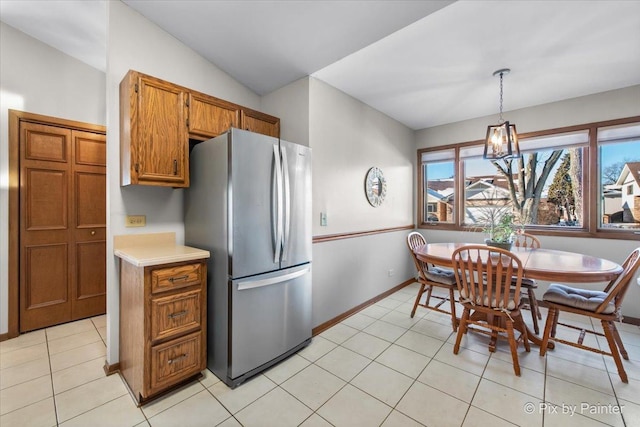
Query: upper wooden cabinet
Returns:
{"type": "Point", "coordinates": [209, 116]}
{"type": "Point", "coordinates": [153, 132]}
{"type": "Point", "coordinates": [258, 122]}
{"type": "Point", "coordinates": [157, 119]}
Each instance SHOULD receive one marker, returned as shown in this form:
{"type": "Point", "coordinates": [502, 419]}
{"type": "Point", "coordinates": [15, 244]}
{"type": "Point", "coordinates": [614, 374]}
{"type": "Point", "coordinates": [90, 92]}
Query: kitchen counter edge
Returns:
{"type": "Point", "coordinates": [142, 256]}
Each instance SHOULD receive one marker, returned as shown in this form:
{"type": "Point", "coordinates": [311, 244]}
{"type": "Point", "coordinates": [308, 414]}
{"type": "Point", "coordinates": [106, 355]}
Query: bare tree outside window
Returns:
{"type": "Point", "coordinates": [527, 181]}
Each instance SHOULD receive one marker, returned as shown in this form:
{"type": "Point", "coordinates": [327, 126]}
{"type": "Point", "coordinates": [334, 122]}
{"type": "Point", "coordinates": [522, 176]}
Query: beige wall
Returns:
{"type": "Point", "coordinates": [601, 106]}
{"type": "Point", "coordinates": [347, 138]}
{"type": "Point", "coordinates": [610, 105]}
{"type": "Point", "coordinates": [36, 78]}
{"type": "Point", "coordinates": [291, 104]}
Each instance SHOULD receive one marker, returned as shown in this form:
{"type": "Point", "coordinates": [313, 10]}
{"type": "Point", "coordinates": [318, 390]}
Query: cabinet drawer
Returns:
{"type": "Point", "coordinates": [175, 314]}
{"type": "Point", "coordinates": [164, 279]}
{"type": "Point", "coordinates": [175, 361]}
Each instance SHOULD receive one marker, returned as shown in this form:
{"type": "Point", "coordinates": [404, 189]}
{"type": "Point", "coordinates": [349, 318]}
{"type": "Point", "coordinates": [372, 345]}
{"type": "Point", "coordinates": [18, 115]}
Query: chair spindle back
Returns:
{"type": "Point", "coordinates": [618, 287]}
{"type": "Point", "coordinates": [473, 264]}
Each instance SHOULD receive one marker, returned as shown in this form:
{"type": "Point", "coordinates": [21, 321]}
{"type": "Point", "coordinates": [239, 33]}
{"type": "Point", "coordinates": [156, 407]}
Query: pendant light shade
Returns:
{"type": "Point", "coordinates": [501, 142]}
{"type": "Point", "coordinates": [502, 139]}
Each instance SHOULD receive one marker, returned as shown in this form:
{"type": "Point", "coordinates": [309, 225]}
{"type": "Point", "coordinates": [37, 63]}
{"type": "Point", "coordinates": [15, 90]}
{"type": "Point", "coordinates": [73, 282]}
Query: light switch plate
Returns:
{"type": "Point", "coordinates": [323, 219]}
{"type": "Point", "coordinates": [136, 221]}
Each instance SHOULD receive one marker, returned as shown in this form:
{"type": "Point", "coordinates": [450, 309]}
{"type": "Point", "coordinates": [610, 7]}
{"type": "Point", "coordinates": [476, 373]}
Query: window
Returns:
{"type": "Point", "coordinates": [438, 172]}
{"type": "Point", "coordinates": [551, 189]}
{"type": "Point", "coordinates": [541, 188]}
{"type": "Point", "coordinates": [619, 169]}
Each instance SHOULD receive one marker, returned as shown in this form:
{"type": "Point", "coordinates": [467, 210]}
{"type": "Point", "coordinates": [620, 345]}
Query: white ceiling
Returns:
{"type": "Point", "coordinates": [423, 63]}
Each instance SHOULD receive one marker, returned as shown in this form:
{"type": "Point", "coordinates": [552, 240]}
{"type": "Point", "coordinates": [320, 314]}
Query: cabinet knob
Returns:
{"type": "Point", "coordinates": [93, 232]}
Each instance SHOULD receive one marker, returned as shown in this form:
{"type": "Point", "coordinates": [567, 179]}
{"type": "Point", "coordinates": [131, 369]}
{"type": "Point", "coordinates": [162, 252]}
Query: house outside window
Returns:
{"type": "Point", "coordinates": [619, 154]}
{"type": "Point", "coordinates": [438, 182]}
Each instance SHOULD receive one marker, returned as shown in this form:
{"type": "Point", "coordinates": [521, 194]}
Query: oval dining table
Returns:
{"type": "Point", "coordinates": [537, 263]}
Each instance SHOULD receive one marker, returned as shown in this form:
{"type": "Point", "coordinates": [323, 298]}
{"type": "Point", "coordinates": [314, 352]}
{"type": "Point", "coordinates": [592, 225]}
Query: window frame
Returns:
{"type": "Point", "coordinates": [590, 177]}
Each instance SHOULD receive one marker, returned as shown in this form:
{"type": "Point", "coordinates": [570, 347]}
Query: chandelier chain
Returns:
{"type": "Point", "coordinates": [501, 119]}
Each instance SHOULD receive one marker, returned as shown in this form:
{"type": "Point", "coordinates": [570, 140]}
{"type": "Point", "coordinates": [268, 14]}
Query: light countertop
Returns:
{"type": "Point", "coordinates": [144, 250]}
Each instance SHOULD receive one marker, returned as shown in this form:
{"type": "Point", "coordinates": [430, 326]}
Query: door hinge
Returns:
{"type": "Point", "coordinates": [187, 102]}
{"type": "Point", "coordinates": [136, 167]}
{"type": "Point", "coordinates": [135, 87]}
{"type": "Point", "coordinates": [187, 122]}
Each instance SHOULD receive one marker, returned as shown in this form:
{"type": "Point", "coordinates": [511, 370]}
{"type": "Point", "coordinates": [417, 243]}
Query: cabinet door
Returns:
{"type": "Point", "coordinates": [210, 117]}
{"type": "Point", "coordinates": [162, 138]}
{"type": "Point", "coordinates": [258, 122]}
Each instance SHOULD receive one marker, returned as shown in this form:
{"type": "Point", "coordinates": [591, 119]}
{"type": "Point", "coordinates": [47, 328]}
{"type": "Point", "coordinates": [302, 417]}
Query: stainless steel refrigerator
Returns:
{"type": "Point", "coordinates": [249, 204]}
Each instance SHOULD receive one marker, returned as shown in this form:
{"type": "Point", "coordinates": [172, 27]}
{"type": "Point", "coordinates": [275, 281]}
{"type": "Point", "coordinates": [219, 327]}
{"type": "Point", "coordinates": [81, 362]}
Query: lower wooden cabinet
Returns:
{"type": "Point", "coordinates": [162, 325]}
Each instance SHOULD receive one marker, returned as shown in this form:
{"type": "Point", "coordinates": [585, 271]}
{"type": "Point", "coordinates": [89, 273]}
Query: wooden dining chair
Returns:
{"type": "Point", "coordinates": [430, 276]}
{"type": "Point", "coordinates": [525, 240]}
{"type": "Point", "coordinates": [484, 279]}
{"type": "Point", "coordinates": [602, 305]}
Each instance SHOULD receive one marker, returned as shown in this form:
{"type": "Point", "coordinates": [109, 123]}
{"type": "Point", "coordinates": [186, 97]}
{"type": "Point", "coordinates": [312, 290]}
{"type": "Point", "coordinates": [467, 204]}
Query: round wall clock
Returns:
{"type": "Point", "coordinates": [375, 187]}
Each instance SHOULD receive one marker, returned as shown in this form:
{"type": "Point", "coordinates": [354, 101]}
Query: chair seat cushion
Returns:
{"type": "Point", "coordinates": [511, 303]}
{"type": "Point", "coordinates": [583, 299]}
{"type": "Point", "coordinates": [441, 275]}
{"type": "Point", "coordinates": [526, 283]}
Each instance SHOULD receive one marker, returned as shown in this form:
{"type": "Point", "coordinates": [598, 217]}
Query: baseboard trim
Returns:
{"type": "Point", "coordinates": [631, 320]}
{"type": "Point", "coordinates": [111, 369]}
{"type": "Point", "coordinates": [9, 335]}
{"type": "Point", "coordinates": [329, 323]}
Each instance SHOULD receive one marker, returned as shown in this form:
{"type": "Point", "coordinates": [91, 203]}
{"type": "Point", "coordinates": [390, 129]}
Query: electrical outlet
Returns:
{"type": "Point", "coordinates": [323, 219]}
{"type": "Point", "coordinates": [136, 221]}
{"type": "Point", "coordinates": [390, 272]}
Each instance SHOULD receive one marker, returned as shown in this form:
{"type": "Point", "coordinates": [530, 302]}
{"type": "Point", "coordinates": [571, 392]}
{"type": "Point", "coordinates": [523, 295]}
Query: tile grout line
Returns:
{"type": "Point", "coordinates": [477, 385]}
{"type": "Point", "coordinates": [53, 391]}
{"type": "Point", "coordinates": [80, 385]}
{"type": "Point", "coordinates": [415, 380]}
{"type": "Point", "coordinates": [359, 372]}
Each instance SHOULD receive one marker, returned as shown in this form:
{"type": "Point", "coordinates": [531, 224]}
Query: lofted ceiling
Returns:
{"type": "Point", "coordinates": [424, 63]}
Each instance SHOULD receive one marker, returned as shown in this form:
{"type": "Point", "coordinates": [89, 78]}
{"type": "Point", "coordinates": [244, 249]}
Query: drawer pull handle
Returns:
{"type": "Point", "coordinates": [178, 314]}
{"type": "Point", "coordinates": [175, 359]}
{"type": "Point", "coordinates": [177, 279]}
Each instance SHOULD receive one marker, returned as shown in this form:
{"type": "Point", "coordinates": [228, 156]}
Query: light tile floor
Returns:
{"type": "Point", "coordinates": [379, 367]}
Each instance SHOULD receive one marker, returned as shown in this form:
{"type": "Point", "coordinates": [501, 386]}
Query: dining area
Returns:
{"type": "Point", "coordinates": [496, 286]}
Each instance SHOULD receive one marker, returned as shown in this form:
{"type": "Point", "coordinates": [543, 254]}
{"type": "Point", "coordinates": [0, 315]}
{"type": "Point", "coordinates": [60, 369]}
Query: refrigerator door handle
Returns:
{"type": "Point", "coordinates": [252, 284]}
{"type": "Point", "coordinates": [287, 204]}
{"type": "Point", "coordinates": [276, 205]}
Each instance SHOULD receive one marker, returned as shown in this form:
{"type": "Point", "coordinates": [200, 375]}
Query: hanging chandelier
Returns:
{"type": "Point", "coordinates": [502, 139]}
